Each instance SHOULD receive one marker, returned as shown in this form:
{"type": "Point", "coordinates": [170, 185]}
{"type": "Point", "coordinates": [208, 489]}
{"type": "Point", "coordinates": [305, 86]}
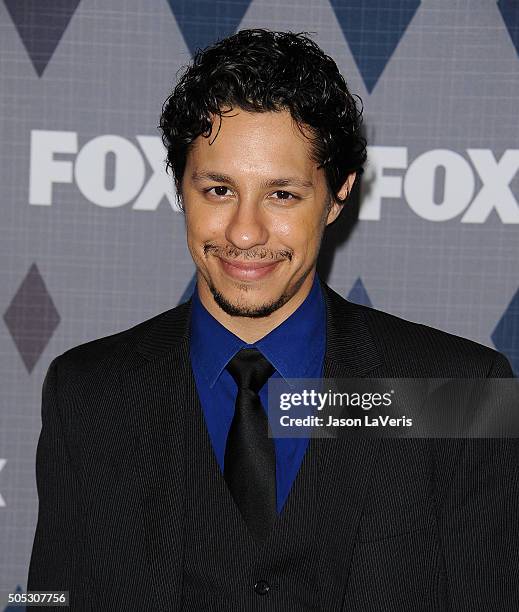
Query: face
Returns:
{"type": "Point", "coordinates": [256, 207]}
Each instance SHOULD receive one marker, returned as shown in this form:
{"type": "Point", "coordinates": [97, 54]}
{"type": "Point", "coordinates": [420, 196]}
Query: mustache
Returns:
{"type": "Point", "coordinates": [230, 252]}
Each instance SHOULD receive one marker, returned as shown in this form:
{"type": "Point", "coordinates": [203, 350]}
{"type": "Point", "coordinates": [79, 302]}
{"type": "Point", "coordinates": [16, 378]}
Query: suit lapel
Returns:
{"type": "Point", "coordinates": [345, 465]}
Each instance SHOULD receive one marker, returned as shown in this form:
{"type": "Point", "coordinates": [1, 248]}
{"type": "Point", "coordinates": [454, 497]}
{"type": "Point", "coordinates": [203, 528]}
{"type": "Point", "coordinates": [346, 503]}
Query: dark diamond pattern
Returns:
{"type": "Point", "coordinates": [205, 21]}
{"type": "Point", "coordinates": [31, 318]}
{"type": "Point", "coordinates": [373, 31]}
{"type": "Point", "coordinates": [506, 334]}
{"type": "Point", "coordinates": [41, 25]}
{"type": "Point", "coordinates": [509, 10]}
{"type": "Point", "coordinates": [359, 295]}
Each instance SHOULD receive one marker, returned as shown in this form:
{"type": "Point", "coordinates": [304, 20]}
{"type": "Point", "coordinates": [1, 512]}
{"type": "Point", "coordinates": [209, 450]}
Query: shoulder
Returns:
{"type": "Point", "coordinates": [408, 346]}
{"type": "Point", "coordinates": [98, 357]}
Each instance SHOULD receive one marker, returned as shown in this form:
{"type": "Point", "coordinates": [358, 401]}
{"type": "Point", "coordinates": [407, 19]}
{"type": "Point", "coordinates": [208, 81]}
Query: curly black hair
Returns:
{"type": "Point", "coordinates": [261, 70]}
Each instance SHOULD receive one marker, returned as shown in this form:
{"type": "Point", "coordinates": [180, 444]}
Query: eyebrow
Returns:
{"type": "Point", "coordinates": [277, 182]}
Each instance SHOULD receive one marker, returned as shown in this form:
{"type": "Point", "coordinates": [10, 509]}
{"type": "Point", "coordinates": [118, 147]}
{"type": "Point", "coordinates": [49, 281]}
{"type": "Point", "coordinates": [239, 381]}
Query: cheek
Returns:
{"type": "Point", "coordinates": [300, 233]}
{"type": "Point", "coordinates": [202, 225]}
{"type": "Point", "coordinates": [282, 228]}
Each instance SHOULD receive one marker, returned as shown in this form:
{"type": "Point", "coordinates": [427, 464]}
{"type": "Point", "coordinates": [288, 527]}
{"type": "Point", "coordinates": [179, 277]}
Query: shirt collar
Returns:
{"type": "Point", "coordinates": [292, 347]}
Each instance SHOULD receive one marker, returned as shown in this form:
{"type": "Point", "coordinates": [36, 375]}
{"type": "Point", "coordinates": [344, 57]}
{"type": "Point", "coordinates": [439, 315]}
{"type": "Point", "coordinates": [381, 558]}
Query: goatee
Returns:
{"type": "Point", "coordinates": [255, 312]}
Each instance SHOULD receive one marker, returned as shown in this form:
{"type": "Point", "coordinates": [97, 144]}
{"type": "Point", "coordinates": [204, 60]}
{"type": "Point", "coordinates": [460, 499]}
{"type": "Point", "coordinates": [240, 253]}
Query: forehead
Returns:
{"type": "Point", "coordinates": [255, 142]}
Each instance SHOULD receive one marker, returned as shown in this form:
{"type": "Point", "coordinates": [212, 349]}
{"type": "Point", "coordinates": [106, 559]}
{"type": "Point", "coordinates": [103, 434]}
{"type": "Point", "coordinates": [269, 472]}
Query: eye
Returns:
{"type": "Point", "coordinates": [219, 191]}
{"type": "Point", "coordinates": [285, 195]}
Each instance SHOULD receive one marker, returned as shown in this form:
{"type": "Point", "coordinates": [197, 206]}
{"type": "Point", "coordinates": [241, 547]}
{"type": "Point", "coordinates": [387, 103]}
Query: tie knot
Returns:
{"type": "Point", "coordinates": [250, 369]}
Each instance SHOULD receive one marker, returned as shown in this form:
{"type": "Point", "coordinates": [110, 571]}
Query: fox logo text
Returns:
{"type": "Point", "coordinates": [440, 185]}
{"type": "Point", "coordinates": [110, 171]}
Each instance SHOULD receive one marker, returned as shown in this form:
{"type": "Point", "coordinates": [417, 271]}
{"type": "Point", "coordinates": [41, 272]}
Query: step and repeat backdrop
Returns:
{"type": "Point", "coordinates": [92, 241]}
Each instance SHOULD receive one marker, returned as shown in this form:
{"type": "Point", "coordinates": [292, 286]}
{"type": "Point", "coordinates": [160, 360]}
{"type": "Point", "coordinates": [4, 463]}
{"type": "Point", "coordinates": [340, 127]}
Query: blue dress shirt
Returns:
{"type": "Point", "coordinates": [295, 348]}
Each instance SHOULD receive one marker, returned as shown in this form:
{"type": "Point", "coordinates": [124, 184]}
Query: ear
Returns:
{"type": "Point", "coordinates": [342, 194]}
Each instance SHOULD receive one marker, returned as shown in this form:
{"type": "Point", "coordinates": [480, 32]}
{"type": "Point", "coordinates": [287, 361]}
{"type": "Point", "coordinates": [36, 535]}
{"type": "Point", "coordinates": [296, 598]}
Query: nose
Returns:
{"type": "Point", "coordinates": [246, 228]}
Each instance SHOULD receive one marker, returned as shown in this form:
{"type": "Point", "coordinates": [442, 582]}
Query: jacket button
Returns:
{"type": "Point", "coordinates": [261, 587]}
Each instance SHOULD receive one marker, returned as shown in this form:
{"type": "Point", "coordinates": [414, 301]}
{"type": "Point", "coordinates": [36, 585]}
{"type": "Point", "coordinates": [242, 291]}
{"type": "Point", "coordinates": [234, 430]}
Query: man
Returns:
{"type": "Point", "coordinates": [159, 486]}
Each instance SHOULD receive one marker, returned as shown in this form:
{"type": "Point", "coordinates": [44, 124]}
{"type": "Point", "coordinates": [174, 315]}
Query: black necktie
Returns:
{"type": "Point", "coordinates": [250, 460]}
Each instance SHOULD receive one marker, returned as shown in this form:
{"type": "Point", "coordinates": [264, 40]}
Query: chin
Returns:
{"type": "Point", "coordinates": [235, 305]}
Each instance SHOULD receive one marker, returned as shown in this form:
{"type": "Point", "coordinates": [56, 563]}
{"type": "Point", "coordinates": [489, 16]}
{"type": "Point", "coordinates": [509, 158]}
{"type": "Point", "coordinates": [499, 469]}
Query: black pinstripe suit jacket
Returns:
{"type": "Point", "coordinates": [404, 525]}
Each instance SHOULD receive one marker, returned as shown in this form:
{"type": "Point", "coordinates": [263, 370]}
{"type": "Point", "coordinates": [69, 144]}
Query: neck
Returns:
{"type": "Point", "coordinates": [251, 329]}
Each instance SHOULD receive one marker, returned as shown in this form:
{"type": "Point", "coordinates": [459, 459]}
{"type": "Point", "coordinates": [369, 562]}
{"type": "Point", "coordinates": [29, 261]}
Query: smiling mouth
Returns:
{"type": "Point", "coordinates": [248, 270]}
